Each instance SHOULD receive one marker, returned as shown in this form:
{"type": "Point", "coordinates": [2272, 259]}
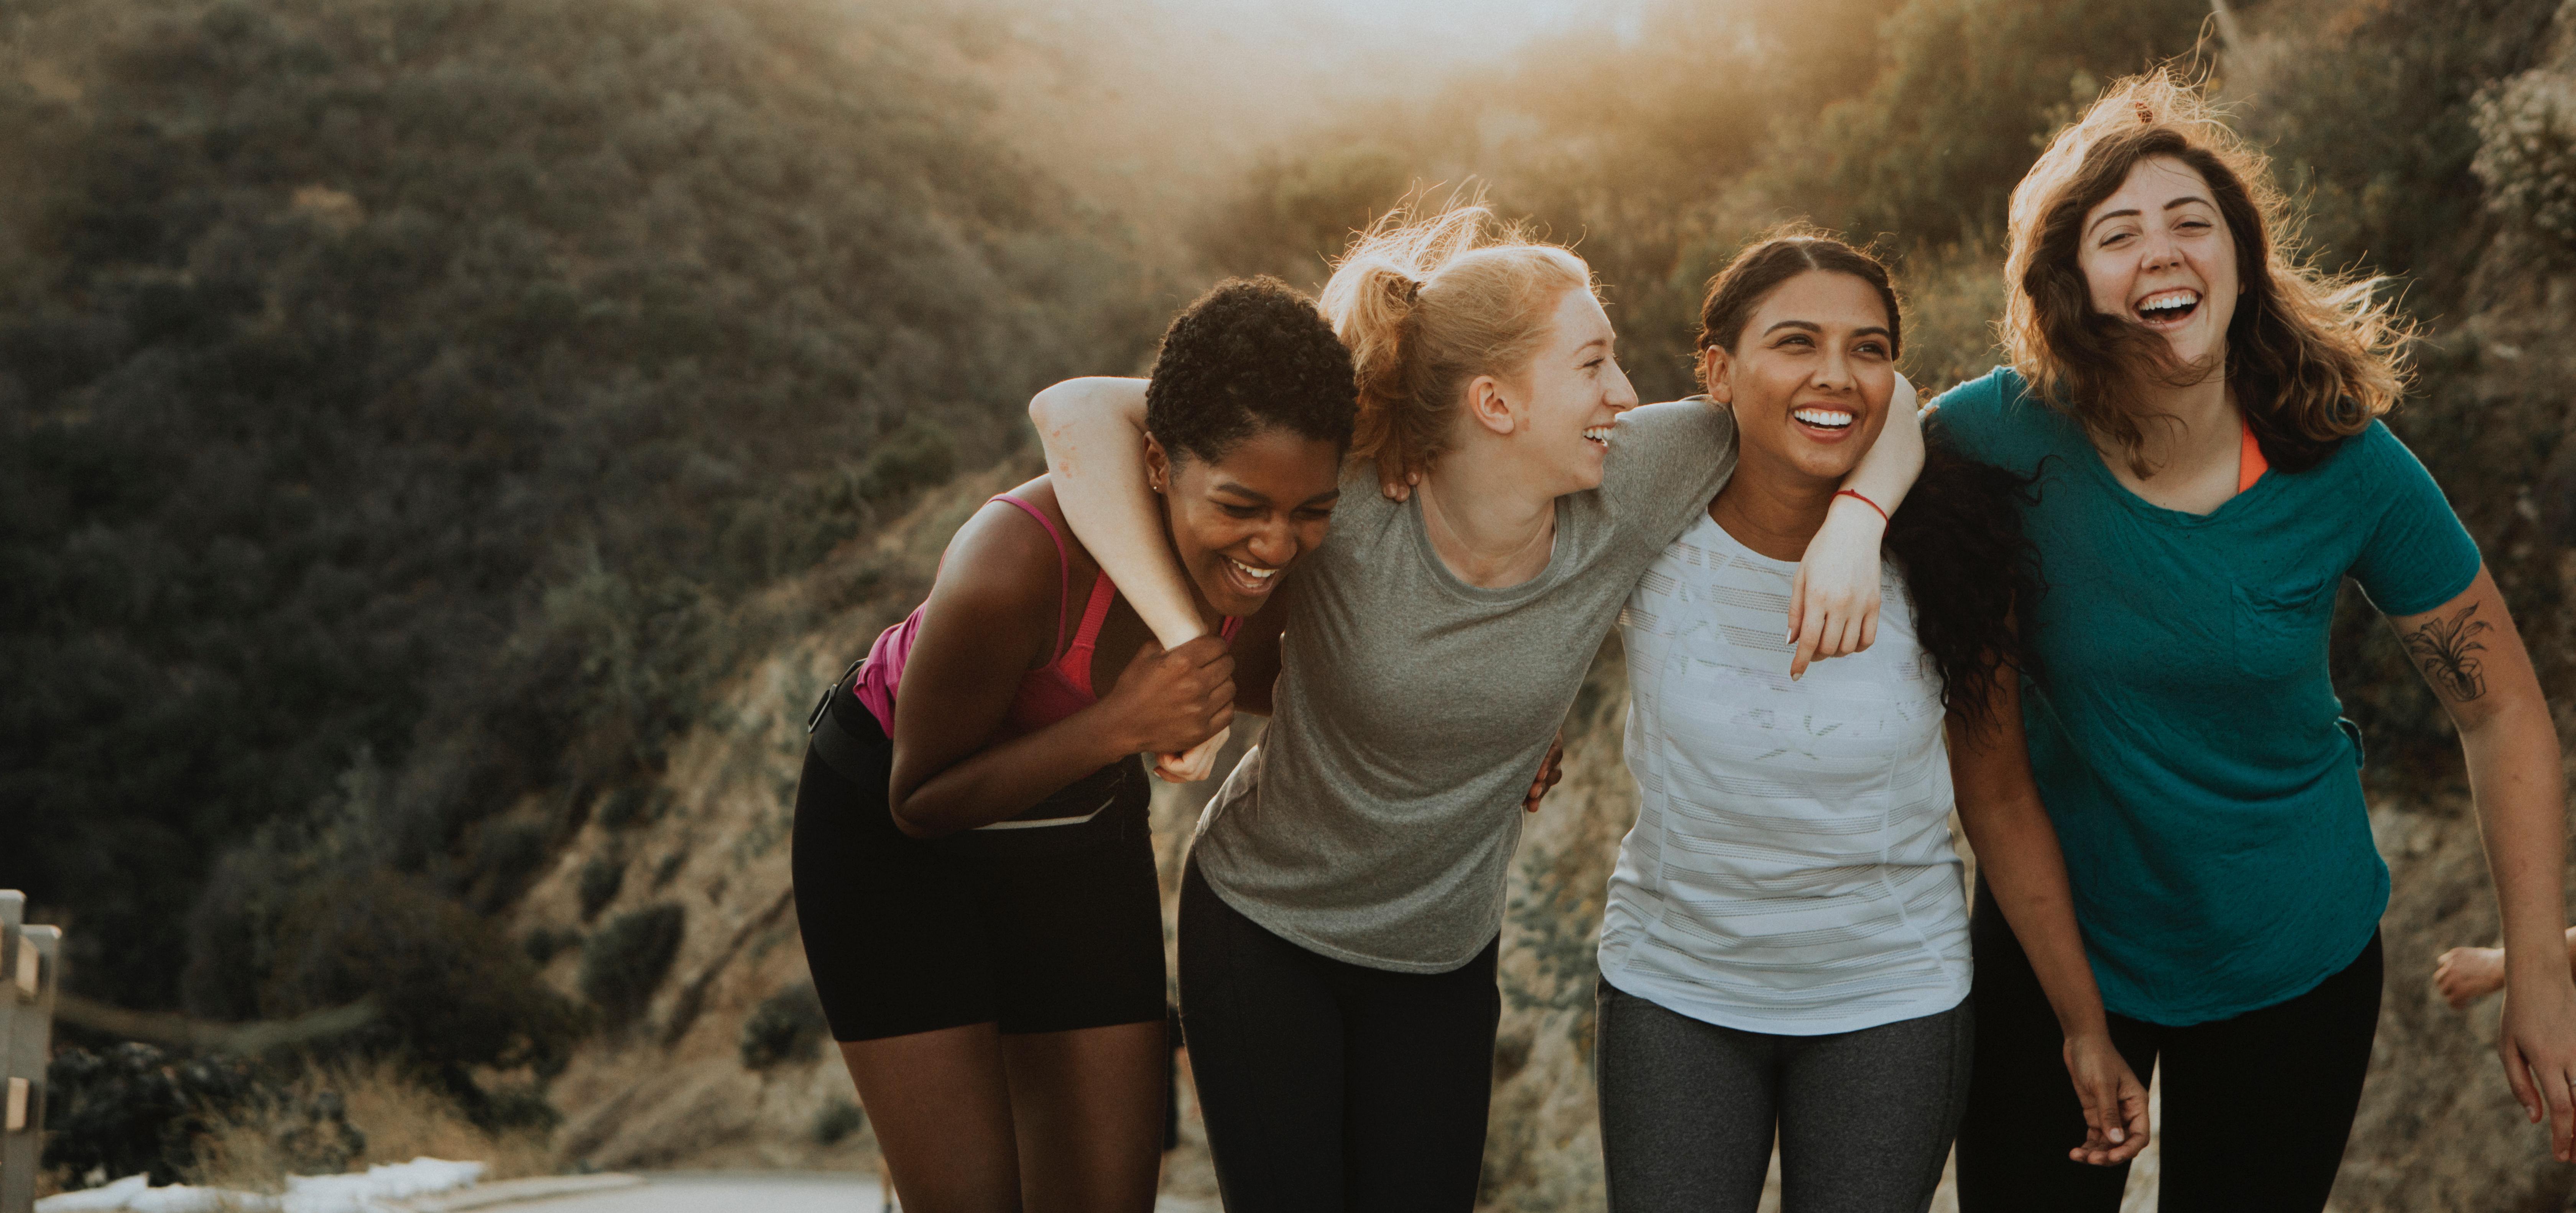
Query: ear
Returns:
{"type": "Point", "coordinates": [1490, 405]}
{"type": "Point", "coordinates": [1714, 365]}
{"type": "Point", "coordinates": [1158, 465]}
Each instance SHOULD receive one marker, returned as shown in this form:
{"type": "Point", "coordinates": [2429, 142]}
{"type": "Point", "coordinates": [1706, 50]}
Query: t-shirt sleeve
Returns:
{"type": "Point", "coordinates": [1665, 462]}
{"type": "Point", "coordinates": [1971, 416]}
{"type": "Point", "coordinates": [2418, 556]}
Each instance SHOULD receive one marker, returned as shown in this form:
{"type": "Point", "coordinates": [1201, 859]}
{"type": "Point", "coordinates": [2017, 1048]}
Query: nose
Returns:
{"type": "Point", "coordinates": [1621, 394]}
{"type": "Point", "coordinates": [1274, 544]}
{"type": "Point", "coordinates": [1833, 371]}
{"type": "Point", "coordinates": [2159, 251]}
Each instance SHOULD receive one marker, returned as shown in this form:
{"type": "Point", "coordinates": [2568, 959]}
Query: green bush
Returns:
{"type": "Point", "coordinates": [454, 995]}
{"type": "Point", "coordinates": [837, 1121]}
{"type": "Point", "coordinates": [545, 943]}
{"type": "Point", "coordinates": [2527, 153]}
{"type": "Point", "coordinates": [600, 880]}
{"type": "Point", "coordinates": [624, 807]}
{"type": "Point", "coordinates": [786, 1026]}
{"type": "Point", "coordinates": [625, 961]}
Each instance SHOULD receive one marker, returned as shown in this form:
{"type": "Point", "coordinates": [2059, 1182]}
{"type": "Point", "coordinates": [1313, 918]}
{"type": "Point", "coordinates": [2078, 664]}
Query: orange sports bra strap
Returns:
{"type": "Point", "coordinates": [1063, 568]}
{"type": "Point", "coordinates": [2250, 463]}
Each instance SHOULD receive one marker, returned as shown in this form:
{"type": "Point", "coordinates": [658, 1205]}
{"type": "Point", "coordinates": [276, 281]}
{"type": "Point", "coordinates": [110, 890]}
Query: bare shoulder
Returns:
{"type": "Point", "coordinates": [1002, 570]}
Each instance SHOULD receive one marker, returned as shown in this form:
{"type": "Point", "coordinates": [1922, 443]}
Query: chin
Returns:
{"type": "Point", "coordinates": [1225, 598]}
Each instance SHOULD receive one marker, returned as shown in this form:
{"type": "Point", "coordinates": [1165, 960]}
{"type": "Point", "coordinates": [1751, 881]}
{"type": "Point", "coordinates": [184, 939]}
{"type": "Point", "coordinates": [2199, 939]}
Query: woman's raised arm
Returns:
{"type": "Point", "coordinates": [1094, 434]}
{"type": "Point", "coordinates": [1093, 431]}
{"type": "Point", "coordinates": [1833, 601]}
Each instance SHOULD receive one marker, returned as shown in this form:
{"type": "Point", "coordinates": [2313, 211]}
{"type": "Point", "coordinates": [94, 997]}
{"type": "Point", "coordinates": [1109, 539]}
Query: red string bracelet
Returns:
{"type": "Point", "coordinates": [1854, 494]}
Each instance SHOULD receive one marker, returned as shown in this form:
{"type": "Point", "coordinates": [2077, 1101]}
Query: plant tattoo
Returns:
{"type": "Point", "coordinates": [2442, 648]}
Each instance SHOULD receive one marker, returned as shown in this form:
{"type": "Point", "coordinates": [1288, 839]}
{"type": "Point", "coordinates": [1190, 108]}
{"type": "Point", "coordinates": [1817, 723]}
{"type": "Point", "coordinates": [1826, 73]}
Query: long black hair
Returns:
{"type": "Point", "coordinates": [1973, 575]}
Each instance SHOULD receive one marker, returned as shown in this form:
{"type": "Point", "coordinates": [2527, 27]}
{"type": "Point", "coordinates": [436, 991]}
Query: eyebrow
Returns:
{"type": "Point", "coordinates": [2133, 212]}
{"type": "Point", "coordinates": [1810, 326]}
{"type": "Point", "coordinates": [1264, 498]}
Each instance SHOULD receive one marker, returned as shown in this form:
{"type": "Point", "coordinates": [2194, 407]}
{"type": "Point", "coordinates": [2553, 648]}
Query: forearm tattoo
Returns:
{"type": "Point", "coordinates": [2442, 648]}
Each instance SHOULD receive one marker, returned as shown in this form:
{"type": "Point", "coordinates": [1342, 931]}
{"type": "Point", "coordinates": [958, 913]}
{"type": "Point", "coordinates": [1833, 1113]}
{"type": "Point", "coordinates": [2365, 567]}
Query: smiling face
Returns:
{"type": "Point", "coordinates": [1810, 376]}
{"type": "Point", "coordinates": [1563, 405]}
{"type": "Point", "coordinates": [2157, 254]}
{"type": "Point", "coordinates": [1237, 522]}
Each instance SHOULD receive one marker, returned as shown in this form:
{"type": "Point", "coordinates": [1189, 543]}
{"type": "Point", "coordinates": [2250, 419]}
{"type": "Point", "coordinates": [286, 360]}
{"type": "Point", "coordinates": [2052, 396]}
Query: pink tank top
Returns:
{"type": "Point", "coordinates": [1050, 693]}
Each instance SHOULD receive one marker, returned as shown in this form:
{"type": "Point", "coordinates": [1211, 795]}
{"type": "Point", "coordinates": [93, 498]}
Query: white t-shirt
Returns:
{"type": "Point", "coordinates": [1791, 869]}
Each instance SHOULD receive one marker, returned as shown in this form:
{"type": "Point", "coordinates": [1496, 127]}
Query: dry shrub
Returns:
{"type": "Point", "coordinates": [1952, 296]}
{"type": "Point", "coordinates": [399, 1119]}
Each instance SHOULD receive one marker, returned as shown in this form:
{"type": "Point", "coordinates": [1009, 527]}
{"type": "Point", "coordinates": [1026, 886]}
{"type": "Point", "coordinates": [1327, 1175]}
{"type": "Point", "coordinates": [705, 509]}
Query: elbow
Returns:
{"type": "Point", "coordinates": [1044, 405]}
{"type": "Point", "coordinates": [910, 825]}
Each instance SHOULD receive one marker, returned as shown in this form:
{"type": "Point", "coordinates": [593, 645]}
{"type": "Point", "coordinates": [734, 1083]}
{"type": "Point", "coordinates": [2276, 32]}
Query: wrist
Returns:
{"type": "Point", "coordinates": [1108, 735]}
{"type": "Point", "coordinates": [2524, 966]}
{"type": "Point", "coordinates": [1851, 509]}
{"type": "Point", "coordinates": [2084, 1025]}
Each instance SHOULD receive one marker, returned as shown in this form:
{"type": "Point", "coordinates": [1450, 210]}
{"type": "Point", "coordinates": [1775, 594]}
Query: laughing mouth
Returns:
{"type": "Point", "coordinates": [2165, 309]}
{"type": "Point", "coordinates": [1598, 433]}
{"type": "Point", "coordinates": [1260, 578]}
{"type": "Point", "coordinates": [1824, 418]}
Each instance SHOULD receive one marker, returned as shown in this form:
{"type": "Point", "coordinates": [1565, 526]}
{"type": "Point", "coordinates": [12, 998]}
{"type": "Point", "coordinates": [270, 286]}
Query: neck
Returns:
{"type": "Point", "coordinates": [1209, 617]}
{"type": "Point", "coordinates": [1487, 524]}
{"type": "Point", "coordinates": [1772, 508]}
{"type": "Point", "coordinates": [2198, 423]}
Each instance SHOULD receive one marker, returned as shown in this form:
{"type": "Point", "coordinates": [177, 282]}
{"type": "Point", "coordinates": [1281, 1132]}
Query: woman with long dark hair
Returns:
{"type": "Point", "coordinates": [974, 879]}
{"type": "Point", "coordinates": [2201, 412]}
{"type": "Point", "coordinates": [1784, 947]}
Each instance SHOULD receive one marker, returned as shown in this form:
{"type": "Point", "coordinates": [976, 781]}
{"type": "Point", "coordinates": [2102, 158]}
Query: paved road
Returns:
{"type": "Point", "coordinates": [753, 1191]}
{"type": "Point", "coordinates": [715, 1193]}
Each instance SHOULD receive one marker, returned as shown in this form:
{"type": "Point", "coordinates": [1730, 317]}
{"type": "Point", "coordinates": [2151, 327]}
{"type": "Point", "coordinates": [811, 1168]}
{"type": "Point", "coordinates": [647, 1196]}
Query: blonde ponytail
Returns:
{"type": "Point", "coordinates": [1428, 303]}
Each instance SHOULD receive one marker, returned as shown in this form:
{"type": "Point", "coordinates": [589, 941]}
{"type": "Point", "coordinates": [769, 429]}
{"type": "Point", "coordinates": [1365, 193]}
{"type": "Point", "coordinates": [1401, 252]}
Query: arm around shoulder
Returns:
{"type": "Point", "coordinates": [1094, 434]}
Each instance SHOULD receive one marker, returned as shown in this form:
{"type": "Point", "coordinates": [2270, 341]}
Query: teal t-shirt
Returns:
{"type": "Point", "coordinates": [2183, 725]}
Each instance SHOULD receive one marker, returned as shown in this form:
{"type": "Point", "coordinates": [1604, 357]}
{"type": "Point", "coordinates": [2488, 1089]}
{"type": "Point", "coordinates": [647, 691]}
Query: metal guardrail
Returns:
{"type": "Point", "coordinates": [31, 961]}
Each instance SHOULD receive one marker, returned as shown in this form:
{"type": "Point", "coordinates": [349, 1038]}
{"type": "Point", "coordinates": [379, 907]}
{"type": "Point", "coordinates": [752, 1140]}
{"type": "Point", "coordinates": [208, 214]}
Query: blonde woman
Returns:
{"type": "Point", "coordinates": [2202, 411]}
{"type": "Point", "coordinates": [1340, 912]}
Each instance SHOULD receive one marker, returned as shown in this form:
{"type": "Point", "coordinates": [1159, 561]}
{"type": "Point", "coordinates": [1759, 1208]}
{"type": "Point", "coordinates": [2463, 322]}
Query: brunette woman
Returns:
{"type": "Point", "coordinates": [1340, 911]}
{"type": "Point", "coordinates": [1784, 950]}
{"type": "Point", "coordinates": [973, 876]}
{"type": "Point", "coordinates": [2201, 411]}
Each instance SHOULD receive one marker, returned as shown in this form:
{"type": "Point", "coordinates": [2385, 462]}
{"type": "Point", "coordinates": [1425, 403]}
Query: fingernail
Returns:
{"type": "Point", "coordinates": [2118, 1136]}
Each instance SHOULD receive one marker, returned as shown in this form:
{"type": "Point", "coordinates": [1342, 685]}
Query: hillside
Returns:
{"type": "Point", "coordinates": [393, 394]}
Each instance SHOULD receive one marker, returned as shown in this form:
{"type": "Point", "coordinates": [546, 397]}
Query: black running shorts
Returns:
{"type": "Point", "coordinates": [1044, 929]}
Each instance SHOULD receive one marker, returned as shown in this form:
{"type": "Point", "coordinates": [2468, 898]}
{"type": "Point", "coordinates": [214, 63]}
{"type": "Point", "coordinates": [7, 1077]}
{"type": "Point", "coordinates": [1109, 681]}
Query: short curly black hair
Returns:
{"type": "Point", "coordinates": [1250, 354]}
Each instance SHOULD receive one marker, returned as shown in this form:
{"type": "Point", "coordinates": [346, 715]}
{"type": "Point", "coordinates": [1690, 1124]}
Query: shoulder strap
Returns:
{"type": "Point", "coordinates": [2250, 463]}
{"type": "Point", "coordinates": [1063, 565]}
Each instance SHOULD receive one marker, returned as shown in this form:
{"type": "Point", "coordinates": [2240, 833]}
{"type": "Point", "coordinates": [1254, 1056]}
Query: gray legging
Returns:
{"type": "Point", "coordinates": [1689, 1109]}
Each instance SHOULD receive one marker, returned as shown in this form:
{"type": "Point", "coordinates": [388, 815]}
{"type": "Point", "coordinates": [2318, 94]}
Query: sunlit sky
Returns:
{"type": "Point", "coordinates": [1439, 29]}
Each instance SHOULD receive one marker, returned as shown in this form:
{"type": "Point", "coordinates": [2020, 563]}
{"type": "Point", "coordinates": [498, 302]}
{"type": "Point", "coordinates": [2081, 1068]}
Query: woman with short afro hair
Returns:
{"type": "Point", "coordinates": [974, 879]}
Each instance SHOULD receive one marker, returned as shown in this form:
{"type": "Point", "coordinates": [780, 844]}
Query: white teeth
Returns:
{"type": "Point", "coordinates": [2167, 300]}
{"type": "Point", "coordinates": [1832, 419]}
{"type": "Point", "coordinates": [1251, 572]}
{"type": "Point", "coordinates": [1598, 433]}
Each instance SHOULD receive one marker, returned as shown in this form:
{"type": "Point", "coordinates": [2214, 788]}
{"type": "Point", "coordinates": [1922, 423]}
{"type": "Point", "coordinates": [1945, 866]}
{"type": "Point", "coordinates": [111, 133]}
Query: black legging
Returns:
{"type": "Point", "coordinates": [1329, 1086]}
{"type": "Point", "coordinates": [2256, 1108]}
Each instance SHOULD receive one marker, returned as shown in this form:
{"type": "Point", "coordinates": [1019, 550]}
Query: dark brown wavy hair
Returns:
{"type": "Point", "coordinates": [1958, 537]}
{"type": "Point", "coordinates": [2313, 356]}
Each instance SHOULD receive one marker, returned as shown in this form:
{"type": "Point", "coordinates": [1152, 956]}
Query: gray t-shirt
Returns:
{"type": "Point", "coordinates": [1375, 823]}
